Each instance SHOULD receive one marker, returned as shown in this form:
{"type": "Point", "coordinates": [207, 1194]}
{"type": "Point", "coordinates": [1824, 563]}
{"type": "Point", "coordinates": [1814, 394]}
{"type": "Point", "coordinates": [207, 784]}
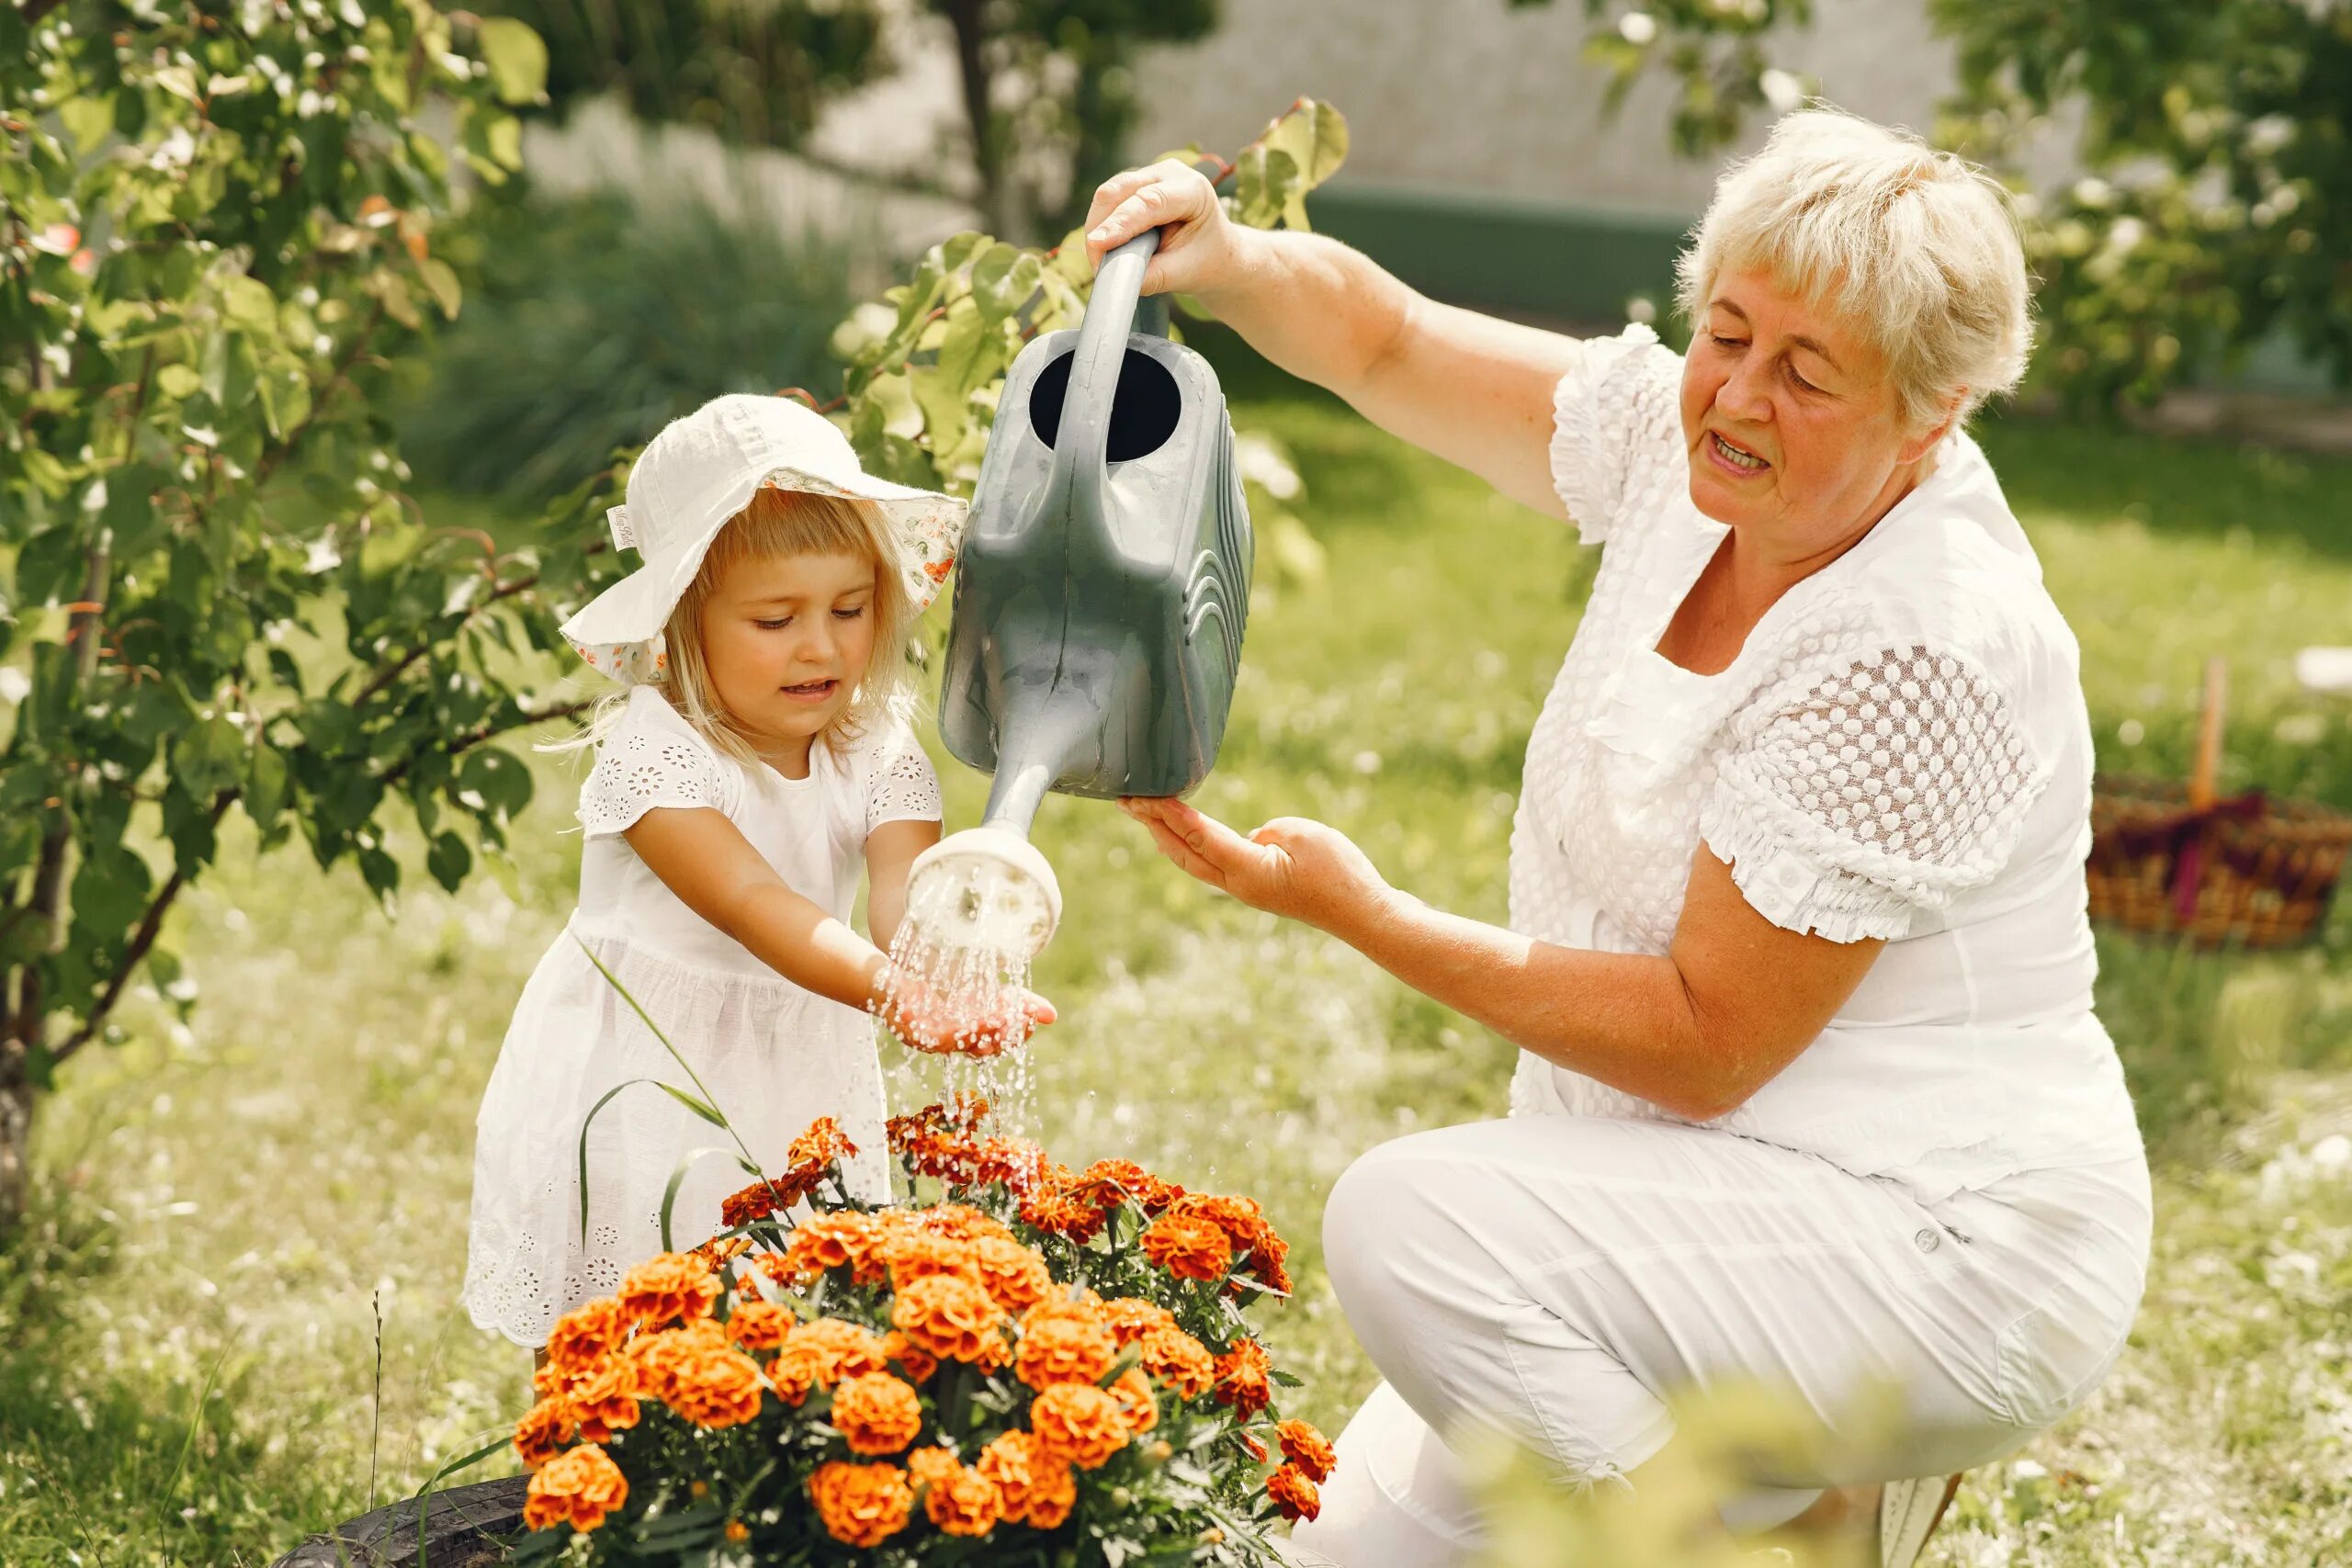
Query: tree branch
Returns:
{"type": "Point", "coordinates": [142, 941]}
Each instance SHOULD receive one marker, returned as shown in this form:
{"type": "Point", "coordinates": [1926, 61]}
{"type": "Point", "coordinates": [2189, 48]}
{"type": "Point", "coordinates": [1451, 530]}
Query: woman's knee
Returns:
{"type": "Point", "coordinates": [1374, 1210]}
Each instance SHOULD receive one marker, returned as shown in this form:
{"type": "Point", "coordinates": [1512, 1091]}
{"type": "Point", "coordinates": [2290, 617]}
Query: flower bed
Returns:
{"type": "Point", "coordinates": [1032, 1365]}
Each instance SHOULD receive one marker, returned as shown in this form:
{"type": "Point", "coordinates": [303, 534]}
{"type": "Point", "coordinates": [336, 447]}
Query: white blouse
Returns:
{"type": "Point", "coordinates": [1900, 750]}
{"type": "Point", "coordinates": [774, 1057]}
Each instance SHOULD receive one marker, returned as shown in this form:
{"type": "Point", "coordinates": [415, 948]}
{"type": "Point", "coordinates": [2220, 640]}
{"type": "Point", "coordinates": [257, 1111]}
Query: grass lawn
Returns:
{"type": "Point", "coordinates": [243, 1211]}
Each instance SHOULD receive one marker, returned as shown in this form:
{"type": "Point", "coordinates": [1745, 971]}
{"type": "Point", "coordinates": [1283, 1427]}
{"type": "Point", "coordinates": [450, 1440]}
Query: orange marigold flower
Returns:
{"type": "Point", "coordinates": [1010, 1464]}
{"type": "Point", "coordinates": [1078, 1422]}
{"type": "Point", "coordinates": [1064, 1342]}
{"type": "Point", "coordinates": [918, 1255]}
{"type": "Point", "coordinates": [862, 1504]}
{"type": "Point", "coordinates": [1307, 1448]}
{"type": "Point", "coordinates": [578, 1489]}
{"type": "Point", "coordinates": [668, 1286]}
{"type": "Point", "coordinates": [958, 1498]}
{"type": "Point", "coordinates": [604, 1401]}
{"type": "Point", "coordinates": [1241, 1380]}
{"type": "Point", "coordinates": [824, 1144]}
{"type": "Point", "coordinates": [766, 1197]}
{"type": "Point", "coordinates": [995, 1353]}
{"type": "Point", "coordinates": [1131, 1318]}
{"type": "Point", "coordinates": [927, 1465]}
{"type": "Point", "coordinates": [1053, 1491]}
{"type": "Point", "coordinates": [1255, 1450]}
{"type": "Point", "coordinates": [853, 1241]}
{"type": "Point", "coordinates": [658, 1356]}
{"type": "Point", "coordinates": [917, 1364]}
{"type": "Point", "coordinates": [587, 1333]}
{"type": "Point", "coordinates": [949, 1316]}
{"type": "Point", "coordinates": [1137, 1402]}
{"type": "Point", "coordinates": [1267, 1265]}
{"type": "Point", "coordinates": [876, 1412]}
{"type": "Point", "coordinates": [1187, 1246]}
{"type": "Point", "coordinates": [540, 1435]}
{"type": "Point", "coordinates": [758, 1324]}
{"type": "Point", "coordinates": [1012, 1273]}
{"type": "Point", "coordinates": [961, 1222]}
{"type": "Point", "coordinates": [1293, 1493]}
{"type": "Point", "coordinates": [1181, 1361]}
{"type": "Point", "coordinates": [738, 1532]}
{"type": "Point", "coordinates": [713, 1386]}
{"type": "Point", "coordinates": [819, 1354]}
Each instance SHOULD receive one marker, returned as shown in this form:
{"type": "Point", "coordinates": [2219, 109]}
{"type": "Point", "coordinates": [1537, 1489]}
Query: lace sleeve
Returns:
{"type": "Point", "coordinates": [1617, 409]}
{"type": "Point", "coordinates": [1872, 792]}
{"type": "Point", "coordinates": [899, 783]}
{"type": "Point", "coordinates": [645, 763]}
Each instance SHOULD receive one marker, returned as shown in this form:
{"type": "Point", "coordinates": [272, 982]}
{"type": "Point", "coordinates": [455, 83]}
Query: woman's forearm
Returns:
{"type": "Point", "coordinates": [1624, 1019]}
{"type": "Point", "coordinates": [1318, 310]}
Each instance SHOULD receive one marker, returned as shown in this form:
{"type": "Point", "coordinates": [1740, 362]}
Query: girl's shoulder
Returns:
{"type": "Point", "coordinates": [886, 772]}
{"type": "Point", "coordinates": [653, 757]}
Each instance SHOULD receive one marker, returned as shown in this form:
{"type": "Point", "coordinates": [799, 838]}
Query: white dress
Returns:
{"type": "Point", "coordinates": [774, 1057]}
{"type": "Point", "coordinates": [1900, 750]}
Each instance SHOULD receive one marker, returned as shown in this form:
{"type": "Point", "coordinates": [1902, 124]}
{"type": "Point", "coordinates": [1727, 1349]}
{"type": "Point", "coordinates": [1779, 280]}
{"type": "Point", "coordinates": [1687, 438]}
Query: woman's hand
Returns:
{"type": "Point", "coordinates": [927, 1022]}
{"type": "Point", "coordinates": [1291, 866]}
{"type": "Point", "coordinates": [1198, 247]}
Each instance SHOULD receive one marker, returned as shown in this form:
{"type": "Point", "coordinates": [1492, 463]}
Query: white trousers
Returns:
{"type": "Point", "coordinates": [1553, 1277]}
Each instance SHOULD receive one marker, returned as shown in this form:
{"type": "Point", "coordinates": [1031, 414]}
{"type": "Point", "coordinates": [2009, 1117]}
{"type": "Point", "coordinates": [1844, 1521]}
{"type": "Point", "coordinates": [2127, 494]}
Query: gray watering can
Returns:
{"type": "Point", "coordinates": [1101, 588]}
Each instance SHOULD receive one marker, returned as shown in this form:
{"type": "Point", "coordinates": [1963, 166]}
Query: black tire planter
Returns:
{"type": "Point", "coordinates": [463, 1527]}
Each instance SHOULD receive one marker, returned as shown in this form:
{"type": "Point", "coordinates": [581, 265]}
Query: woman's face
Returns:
{"type": "Point", "coordinates": [1791, 425]}
{"type": "Point", "coordinates": [787, 640]}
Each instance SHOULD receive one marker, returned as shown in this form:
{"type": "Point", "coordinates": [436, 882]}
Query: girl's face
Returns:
{"type": "Point", "coordinates": [787, 640]}
{"type": "Point", "coordinates": [1792, 425]}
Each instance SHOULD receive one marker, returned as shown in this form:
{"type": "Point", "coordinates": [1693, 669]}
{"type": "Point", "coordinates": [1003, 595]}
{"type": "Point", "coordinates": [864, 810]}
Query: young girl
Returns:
{"type": "Point", "coordinates": [758, 749]}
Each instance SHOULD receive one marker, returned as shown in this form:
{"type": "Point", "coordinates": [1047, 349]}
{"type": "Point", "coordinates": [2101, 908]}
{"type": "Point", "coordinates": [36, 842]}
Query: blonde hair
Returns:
{"type": "Point", "coordinates": [1917, 248]}
{"type": "Point", "coordinates": [778, 522]}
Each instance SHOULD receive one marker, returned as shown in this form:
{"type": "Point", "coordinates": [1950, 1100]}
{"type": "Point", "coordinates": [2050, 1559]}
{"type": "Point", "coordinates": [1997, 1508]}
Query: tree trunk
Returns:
{"type": "Point", "coordinates": [979, 115]}
{"type": "Point", "coordinates": [16, 1137]}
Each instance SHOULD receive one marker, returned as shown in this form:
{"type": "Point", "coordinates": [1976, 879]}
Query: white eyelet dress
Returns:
{"type": "Point", "coordinates": [774, 1057]}
{"type": "Point", "coordinates": [1946, 1190]}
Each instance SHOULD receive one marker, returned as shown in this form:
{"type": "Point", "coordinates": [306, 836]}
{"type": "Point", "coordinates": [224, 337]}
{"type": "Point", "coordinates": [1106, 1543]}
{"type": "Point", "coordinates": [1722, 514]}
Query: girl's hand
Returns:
{"type": "Point", "coordinates": [927, 1022]}
{"type": "Point", "coordinates": [1292, 867]}
{"type": "Point", "coordinates": [1197, 251]}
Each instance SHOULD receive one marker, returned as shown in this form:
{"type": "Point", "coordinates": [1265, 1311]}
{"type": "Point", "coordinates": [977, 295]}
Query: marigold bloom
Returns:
{"type": "Point", "coordinates": [1241, 1380]}
{"type": "Point", "coordinates": [1131, 1318]}
{"type": "Point", "coordinates": [1181, 1361]}
{"type": "Point", "coordinates": [578, 1489]}
{"type": "Point", "coordinates": [1053, 1491]}
{"type": "Point", "coordinates": [587, 1333]}
{"type": "Point", "coordinates": [949, 1316]}
{"type": "Point", "coordinates": [1293, 1493]}
{"type": "Point", "coordinates": [604, 1399]}
{"type": "Point", "coordinates": [926, 1465]}
{"type": "Point", "coordinates": [917, 1364]}
{"type": "Point", "coordinates": [1012, 1273]}
{"type": "Point", "coordinates": [876, 1412]}
{"type": "Point", "coordinates": [1078, 1422]}
{"type": "Point", "coordinates": [1187, 1246]}
{"type": "Point", "coordinates": [764, 1199]}
{"type": "Point", "coordinates": [713, 1386]}
{"type": "Point", "coordinates": [1010, 1464]}
{"type": "Point", "coordinates": [1063, 1342]}
{"type": "Point", "coordinates": [918, 1255]}
{"type": "Point", "coordinates": [540, 1435]}
{"type": "Point", "coordinates": [1308, 1449]}
{"type": "Point", "coordinates": [1137, 1402]}
{"type": "Point", "coordinates": [819, 1354]}
{"type": "Point", "coordinates": [738, 1532]}
{"type": "Point", "coordinates": [667, 1287]}
{"type": "Point", "coordinates": [758, 1324]}
{"type": "Point", "coordinates": [1267, 1265]}
{"type": "Point", "coordinates": [861, 1504]}
{"type": "Point", "coordinates": [1241, 1220]}
{"type": "Point", "coordinates": [658, 1356]}
{"type": "Point", "coordinates": [961, 1222]}
{"type": "Point", "coordinates": [958, 1498]}
{"type": "Point", "coordinates": [849, 1240]}
{"type": "Point", "coordinates": [824, 1144]}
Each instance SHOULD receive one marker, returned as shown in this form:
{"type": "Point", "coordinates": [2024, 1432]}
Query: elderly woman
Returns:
{"type": "Point", "coordinates": [1811, 1089]}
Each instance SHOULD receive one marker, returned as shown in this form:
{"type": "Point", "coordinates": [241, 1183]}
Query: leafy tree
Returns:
{"type": "Point", "coordinates": [2215, 206]}
{"type": "Point", "coordinates": [1048, 86]}
{"type": "Point", "coordinates": [215, 229]}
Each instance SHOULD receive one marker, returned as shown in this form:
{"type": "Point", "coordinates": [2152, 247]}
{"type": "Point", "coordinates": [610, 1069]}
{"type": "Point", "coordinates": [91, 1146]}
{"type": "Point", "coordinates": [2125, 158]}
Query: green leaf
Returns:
{"type": "Point", "coordinates": [517, 59]}
{"type": "Point", "coordinates": [1263, 181]}
{"type": "Point", "coordinates": [448, 860]}
{"type": "Point", "coordinates": [88, 118]}
{"type": "Point", "coordinates": [248, 303]}
{"type": "Point", "coordinates": [441, 281]}
{"type": "Point", "coordinates": [180, 382]}
{"type": "Point", "coordinates": [1002, 281]}
{"type": "Point", "coordinates": [1315, 137]}
{"type": "Point", "coordinates": [210, 756]}
{"type": "Point", "coordinates": [265, 783]}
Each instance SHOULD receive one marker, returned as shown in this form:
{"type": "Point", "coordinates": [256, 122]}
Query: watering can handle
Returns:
{"type": "Point", "coordinates": [1083, 441]}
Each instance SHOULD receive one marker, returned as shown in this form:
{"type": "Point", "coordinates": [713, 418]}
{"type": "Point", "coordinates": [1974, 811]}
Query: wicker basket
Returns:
{"type": "Point", "coordinates": [2170, 859]}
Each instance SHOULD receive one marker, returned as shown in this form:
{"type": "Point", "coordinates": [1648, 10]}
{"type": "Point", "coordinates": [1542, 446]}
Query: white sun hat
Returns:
{"type": "Point", "coordinates": [703, 468]}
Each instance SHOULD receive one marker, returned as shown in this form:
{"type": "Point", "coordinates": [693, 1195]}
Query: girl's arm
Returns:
{"type": "Point", "coordinates": [890, 852]}
{"type": "Point", "coordinates": [705, 859]}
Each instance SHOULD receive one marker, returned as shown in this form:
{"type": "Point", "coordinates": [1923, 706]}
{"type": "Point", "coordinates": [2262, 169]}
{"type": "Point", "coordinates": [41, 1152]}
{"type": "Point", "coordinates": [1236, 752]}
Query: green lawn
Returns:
{"type": "Point", "coordinates": [188, 1357]}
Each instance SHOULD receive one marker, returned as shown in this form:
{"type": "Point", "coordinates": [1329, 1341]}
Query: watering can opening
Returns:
{"type": "Point", "coordinates": [1145, 410]}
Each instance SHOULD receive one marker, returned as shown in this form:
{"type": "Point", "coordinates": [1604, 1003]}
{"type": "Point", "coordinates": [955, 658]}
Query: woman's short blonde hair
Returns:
{"type": "Point", "coordinates": [777, 522]}
{"type": "Point", "coordinates": [1916, 248]}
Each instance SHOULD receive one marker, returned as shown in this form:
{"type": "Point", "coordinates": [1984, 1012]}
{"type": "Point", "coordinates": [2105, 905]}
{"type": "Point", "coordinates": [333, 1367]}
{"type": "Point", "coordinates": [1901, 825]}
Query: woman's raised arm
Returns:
{"type": "Point", "coordinates": [1475, 389]}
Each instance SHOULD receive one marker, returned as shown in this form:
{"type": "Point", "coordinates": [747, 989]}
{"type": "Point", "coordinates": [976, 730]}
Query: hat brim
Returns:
{"type": "Point", "coordinates": [924, 525]}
